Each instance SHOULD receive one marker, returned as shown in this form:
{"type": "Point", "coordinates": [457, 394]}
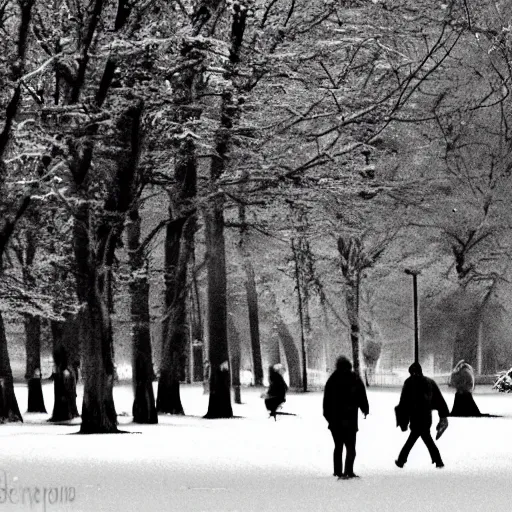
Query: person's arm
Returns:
{"type": "Point", "coordinates": [326, 401]}
{"type": "Point", "coordinates": [403, 403]}
{"type": "Point", "coordinates": [362, 398]}
{"type": "Point", "coordinates": [283, 388]}
{"type": "Point", "coordinates": [438, 402]}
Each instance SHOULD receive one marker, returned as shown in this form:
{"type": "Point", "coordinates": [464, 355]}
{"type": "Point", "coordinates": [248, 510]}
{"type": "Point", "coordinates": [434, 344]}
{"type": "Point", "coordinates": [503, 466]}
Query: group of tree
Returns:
{"type": "Point", "coordinates": [285, 121]}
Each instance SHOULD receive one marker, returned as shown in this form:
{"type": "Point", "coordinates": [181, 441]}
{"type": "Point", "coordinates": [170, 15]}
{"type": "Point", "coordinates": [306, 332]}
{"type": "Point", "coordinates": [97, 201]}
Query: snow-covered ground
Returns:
{"type": "Point", "coordinates": [251, 463]}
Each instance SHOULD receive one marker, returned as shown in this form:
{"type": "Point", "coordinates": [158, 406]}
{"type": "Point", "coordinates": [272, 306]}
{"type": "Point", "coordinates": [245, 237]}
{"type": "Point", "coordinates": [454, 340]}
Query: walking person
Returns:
{"type": "Point", "coordinates": [420, 395]}
{"type": "Point", "coordinates": [344, 395]}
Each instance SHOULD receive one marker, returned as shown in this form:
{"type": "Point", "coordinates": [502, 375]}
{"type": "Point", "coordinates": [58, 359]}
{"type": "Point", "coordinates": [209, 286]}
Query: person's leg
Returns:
{"type": "Point", "coordinates": [404, 453]}
{"type": "Point", "coordinates": [338, 452]}
{"type": "Point", "coordinates": [432, 448]}
{"type": "Point", "coordinates": [350, 444]}
{"type": "Point", "coordinates": [271, 404]}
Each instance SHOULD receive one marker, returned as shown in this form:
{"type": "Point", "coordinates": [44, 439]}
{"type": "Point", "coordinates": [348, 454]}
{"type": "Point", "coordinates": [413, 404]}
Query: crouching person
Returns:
{"type": "Point", "coordinates": [277, 388]}
{"type": "Point", "coordinates": [344, 395]}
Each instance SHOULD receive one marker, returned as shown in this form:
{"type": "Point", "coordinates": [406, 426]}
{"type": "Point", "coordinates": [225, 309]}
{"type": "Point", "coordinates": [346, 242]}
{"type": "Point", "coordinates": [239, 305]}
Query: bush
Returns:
{"type": "Point", "coordinates": [503, 382]}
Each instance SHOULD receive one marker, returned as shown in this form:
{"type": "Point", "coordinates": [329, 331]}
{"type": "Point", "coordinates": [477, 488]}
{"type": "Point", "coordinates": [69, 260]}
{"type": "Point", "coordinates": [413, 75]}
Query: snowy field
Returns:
{"type": "Point", "coordinates": [251, 463]}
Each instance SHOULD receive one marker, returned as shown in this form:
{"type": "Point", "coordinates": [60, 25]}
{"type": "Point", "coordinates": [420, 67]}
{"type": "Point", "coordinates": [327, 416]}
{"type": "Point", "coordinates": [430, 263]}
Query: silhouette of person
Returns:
{"type": "Point", "coordinates": [277, 388]}
{"type": "Point", "coordinates": [344, 395]}
{"type": "Point", "coordinates": [463, 380]}
{"type": "Point", "coordinates": [420, 395]}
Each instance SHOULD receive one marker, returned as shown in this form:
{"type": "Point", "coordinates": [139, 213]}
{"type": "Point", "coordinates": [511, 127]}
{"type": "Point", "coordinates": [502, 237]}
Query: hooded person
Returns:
{"type": "Point", "coordinates": [463, 380]}
{"type": "Point", "coordinates": [344, 395]}
{"type": "Point", "coordinates": [420, 396]}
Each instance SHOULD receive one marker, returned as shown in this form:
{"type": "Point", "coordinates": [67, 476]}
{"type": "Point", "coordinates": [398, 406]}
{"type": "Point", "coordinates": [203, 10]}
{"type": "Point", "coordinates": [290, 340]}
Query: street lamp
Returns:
{"type": "Point", "coordinates": [414, 274]}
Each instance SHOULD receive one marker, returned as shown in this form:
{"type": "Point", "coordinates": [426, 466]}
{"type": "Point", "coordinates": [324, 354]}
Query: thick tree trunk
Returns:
{"type": "Point", "coordinates": [9, 410]}
{"type": "Point", "coordinates": [98, 410]}
{"type": "Point", "coordinates": [178, 250]}
{"type": "Point", "coordinates": [95, 275]}
{"type": "Point", "coordinates": [219, 405]}
{"type": "Point", "coordinates": [179, 243]}
{"type": "Point", "coordinates": [254, 329]}
{"type": "Point", "coordinates": [33, 364]}
{"type": "Point", "coordinates": [175, 328]}
{"type": "Point", "coordinates": [235, 352]}
{"type": "Point", "coordinates": [144, 408]}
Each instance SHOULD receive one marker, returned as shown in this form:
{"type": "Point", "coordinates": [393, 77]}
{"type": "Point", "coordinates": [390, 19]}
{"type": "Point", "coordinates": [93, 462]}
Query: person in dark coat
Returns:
{"type": "Point", "coordinates": [463, 380]}
{"type": "Point", "coordinates": [277, 388]}
{"type": "Point", "coordinates": [420, 395]}
{"type": "Point", "coordinates": [64, 384]}
{"type": "Point", "coordinates": [344, 395]}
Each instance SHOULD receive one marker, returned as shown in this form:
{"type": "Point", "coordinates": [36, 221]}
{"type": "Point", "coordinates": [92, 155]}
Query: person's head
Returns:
{"type": "Point", "coordinates": [60, 357]}
{"type": "Point", "coordinates": [415, 369]}
{"type": "Point", "coordinates": [343, 364]}
{"type": "Point", "coordinates": [278, 368]}
{"type": "Point", "coordinates": [460, 364]}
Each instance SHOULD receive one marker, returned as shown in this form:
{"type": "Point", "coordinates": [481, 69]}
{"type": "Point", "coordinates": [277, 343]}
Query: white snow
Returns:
{"type": "Point", "coordinates": [251, 463]}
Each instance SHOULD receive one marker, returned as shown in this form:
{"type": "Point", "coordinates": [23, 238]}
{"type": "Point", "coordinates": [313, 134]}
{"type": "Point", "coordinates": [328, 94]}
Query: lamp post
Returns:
{"type": "Point", "coordinates": [414, 274]}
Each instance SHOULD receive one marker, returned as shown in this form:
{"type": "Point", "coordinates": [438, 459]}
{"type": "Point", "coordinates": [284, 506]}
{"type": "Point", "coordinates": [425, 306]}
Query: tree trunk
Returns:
{"type": "Point", "coordinates": [354, 260]}
{"type": "Point", "coordinates": [95, 244]}
{"type": "Point", "coordinates": [219, 405]}
{"type": "Point", "coordinates": [196, 329]}
{"type": "Point", "coordinates": [254, 329]}
{"type": "Point", "coordinates": [351, 298]}
{"type": "Point", "coordinates": [466, 339]}
{"type": "Point", "coordinates": [291, 352]}
{"type": "Point", "coordinates": [235, 350]}
{"type": "Point", "coordinates": [144, 409]}
{"type": "Point", "coordinates": [178, 250]}
{"type": "Point", "coordinates": [98, 410]}
{"type": "Point", "coordinates": [9, 410]}
{"type": "Point", "coordinates": [179, 240]}
{"type": "Point", "coordinates": [290, 349]}
{"type": "Point", "coordinates": [303, 341]}
{"type": "Point", "coordinates": [315, 349]}
{"type": "Point", "coordinates": [273, 349]}
{"type": "Point", "coordinates": [24, 19]}
{"type": "Point", "coordinates": [174, 331]}
{"type": "Point", "coordinates": [33, 364]}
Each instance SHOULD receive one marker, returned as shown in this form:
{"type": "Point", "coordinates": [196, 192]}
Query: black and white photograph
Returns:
{"type": "Point", "coordinates": [255, 255]}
